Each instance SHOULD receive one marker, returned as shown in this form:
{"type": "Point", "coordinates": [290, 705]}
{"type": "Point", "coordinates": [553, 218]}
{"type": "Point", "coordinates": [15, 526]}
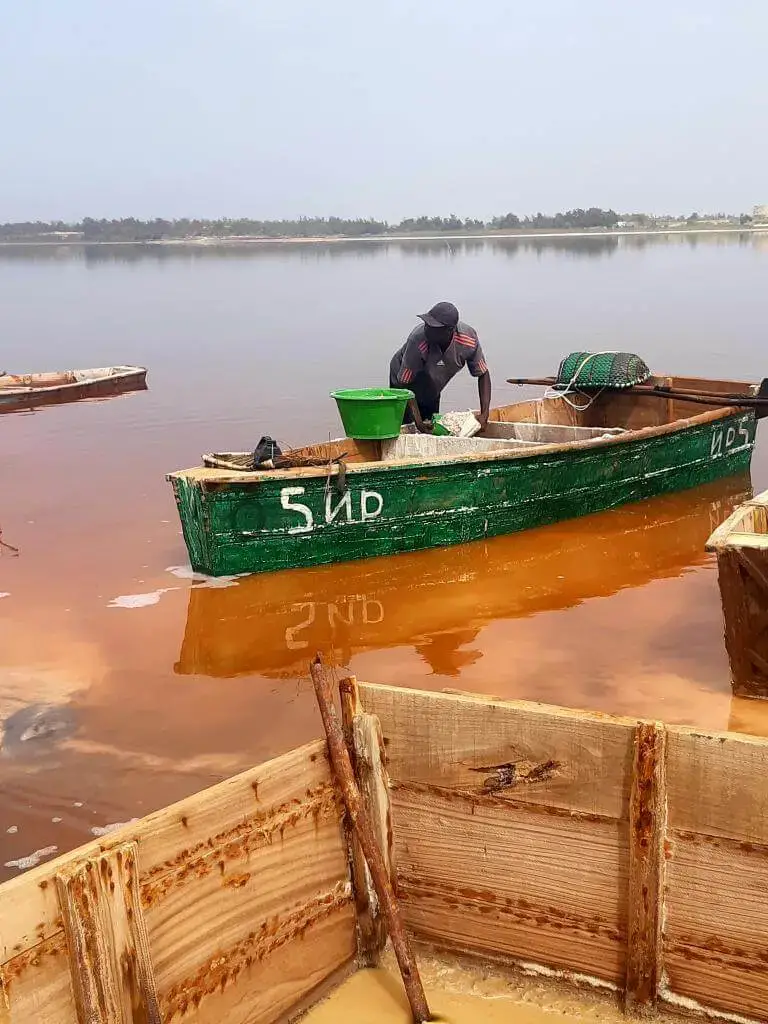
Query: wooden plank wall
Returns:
{"type": "Point", "coordinates": [716, 929]}
{"type": "Point", "coordinates": [633, 853]}
{"type": "Point", "coordinates": [230, 906]}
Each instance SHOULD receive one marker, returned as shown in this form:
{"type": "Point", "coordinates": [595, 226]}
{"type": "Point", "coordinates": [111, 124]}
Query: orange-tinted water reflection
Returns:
{"type": "Point", "coordinates": [440, 602]}
{"type": "Point", "coordinates": [142, 705]}
{"type": "Point", "coordinates": [618, 612]}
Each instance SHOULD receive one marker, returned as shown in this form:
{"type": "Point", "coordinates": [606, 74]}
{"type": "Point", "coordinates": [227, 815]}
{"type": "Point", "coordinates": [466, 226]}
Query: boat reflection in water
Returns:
{"type": "Point", "coordinates": [437, 601]}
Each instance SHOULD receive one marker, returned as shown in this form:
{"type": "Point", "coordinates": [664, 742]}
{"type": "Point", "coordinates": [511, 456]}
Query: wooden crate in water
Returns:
{"type": "Point", "coordinates": [741, 546]}
{"type": "Point", "coordinates": [625, 852]}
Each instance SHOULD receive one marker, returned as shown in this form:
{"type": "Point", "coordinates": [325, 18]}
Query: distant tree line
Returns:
{"type": "Point", "coordinates": [130, 229]}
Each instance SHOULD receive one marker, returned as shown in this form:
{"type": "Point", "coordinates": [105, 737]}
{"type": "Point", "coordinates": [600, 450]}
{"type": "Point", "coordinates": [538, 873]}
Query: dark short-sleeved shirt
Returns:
{"type": "Point", "coordinates": [418, 355]}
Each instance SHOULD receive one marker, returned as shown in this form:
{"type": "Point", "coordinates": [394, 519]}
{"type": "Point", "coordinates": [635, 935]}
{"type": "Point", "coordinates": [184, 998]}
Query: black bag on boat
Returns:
{"type": "Point", "coordinates": [267, 450]}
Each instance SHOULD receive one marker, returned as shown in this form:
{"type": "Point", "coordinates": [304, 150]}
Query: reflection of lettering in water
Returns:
{"type": "Point", "coordinates": [290, 634]}
{"type": "Point", "coordinates": [355, 609]}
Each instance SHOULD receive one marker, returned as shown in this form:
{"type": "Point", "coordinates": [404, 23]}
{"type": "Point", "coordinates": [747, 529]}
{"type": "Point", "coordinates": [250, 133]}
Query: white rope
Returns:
{"type": "Point", "coordinates": [564, 390]}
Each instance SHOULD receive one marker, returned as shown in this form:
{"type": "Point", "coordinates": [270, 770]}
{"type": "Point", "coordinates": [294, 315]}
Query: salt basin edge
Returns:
{"type": "Point", "coordinates": [590, 831]}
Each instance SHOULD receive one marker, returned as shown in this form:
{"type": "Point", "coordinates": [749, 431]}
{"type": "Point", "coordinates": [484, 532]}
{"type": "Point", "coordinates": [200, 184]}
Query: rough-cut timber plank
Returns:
{"type": "Point", "coordinates": [374, 780]}
{"type": "Point", "coordinates": [365, 744]}
{"type": "Point", "coordinates": [264, 991]}
{"type": "Point", "coordinates": [715, 784]}
{"type": "Point", "coordinates": [647, 825]}
{"type": "Point", "coordinates": [716, 921]}
{"type": "Point", "coordinates": [235, 882]}
{"type": "Point", "coordinates": [546, 888]}
{"type": "Point", "coordinates": [170, 839]}
{"type": "Point", "coordinates": [112, 975]}
{"type": "Point", "coordinates": [231, 903]}
{"type": "Point", "coordinates": [38, 985]}
{"type": "Point", "coordinates": [565, 759]}
{"type": "Point", "coordinates": [358, 815]}
{"type": "Point", "coordinates": [716, 928]}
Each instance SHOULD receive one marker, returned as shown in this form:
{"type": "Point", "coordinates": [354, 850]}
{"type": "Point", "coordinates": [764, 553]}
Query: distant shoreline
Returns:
{"type": "Point", "coordinates": [232, 240]}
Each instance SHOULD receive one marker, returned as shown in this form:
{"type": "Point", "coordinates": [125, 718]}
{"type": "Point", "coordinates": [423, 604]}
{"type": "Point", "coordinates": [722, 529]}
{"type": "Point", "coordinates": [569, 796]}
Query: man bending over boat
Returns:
{"type": "Point", "coordinates": [434, 352]}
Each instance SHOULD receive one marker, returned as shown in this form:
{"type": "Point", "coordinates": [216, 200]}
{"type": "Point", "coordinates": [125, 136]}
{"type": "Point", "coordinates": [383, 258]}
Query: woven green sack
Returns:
{"type": "Point", "coordinates": [602, 370]}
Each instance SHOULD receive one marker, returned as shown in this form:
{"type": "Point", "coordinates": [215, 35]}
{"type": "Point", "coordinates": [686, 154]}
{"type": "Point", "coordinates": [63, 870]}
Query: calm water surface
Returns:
{"type": "Point", "coordinates": [110, 711]}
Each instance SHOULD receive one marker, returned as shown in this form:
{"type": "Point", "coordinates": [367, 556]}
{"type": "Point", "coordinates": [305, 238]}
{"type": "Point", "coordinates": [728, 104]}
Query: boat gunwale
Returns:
{"type": "Point", "coordinates": [210, 476]}
{"type": "Point", "coordinates": [26, 391]}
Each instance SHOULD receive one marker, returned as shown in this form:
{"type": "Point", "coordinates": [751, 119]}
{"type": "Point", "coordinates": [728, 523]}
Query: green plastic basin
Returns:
{"type": "Point", "coordinates": [437, 426]}
{"type": "Point", "coordinates": [372, 414]}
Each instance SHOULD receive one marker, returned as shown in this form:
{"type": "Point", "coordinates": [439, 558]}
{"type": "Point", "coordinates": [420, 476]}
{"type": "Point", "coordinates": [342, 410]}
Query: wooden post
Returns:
{"type": "Point", "coordinates": [365, 744]}
{"type": "Point", "coordinates": [374, 782]}
{"type": "Point", "coordinates": [349, 698]}
{"type": "Point", "coordinates": [358, 814]}
{"type": "Point", "coordinates": [647, 829]}
{"type": "Point", "coordinates": [371, 931]}
{"type": "Point", "coordinates": [112, 977]}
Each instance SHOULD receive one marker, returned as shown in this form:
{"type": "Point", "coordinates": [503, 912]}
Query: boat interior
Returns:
{"type": "Point", "coordinates": [577, 417]}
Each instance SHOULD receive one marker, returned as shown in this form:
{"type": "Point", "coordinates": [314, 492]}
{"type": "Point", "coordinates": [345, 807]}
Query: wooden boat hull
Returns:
{"type": "Point", "coordinates": [261, 522]}
{"type": "Point", "coordinates": [35, 390]}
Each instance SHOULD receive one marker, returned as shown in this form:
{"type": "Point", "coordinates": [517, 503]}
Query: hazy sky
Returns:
{"type": "Point", "coordinates": [389, 109]}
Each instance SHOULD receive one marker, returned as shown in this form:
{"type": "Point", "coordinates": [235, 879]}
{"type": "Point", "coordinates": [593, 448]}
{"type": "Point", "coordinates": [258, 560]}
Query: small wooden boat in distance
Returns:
{"type": "Point", "coordinates": [537, 462]}
{"type": "Point", "coordinates": [29, 390]}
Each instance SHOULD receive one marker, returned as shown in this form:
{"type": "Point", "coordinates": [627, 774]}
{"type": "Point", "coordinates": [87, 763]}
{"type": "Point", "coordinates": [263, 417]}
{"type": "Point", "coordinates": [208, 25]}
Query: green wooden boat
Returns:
{"type": "Point", "coordinates": [537, 462]}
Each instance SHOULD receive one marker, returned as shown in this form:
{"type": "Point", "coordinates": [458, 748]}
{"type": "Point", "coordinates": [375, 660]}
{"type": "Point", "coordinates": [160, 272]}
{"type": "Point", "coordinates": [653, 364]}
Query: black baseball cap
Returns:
{"type": "Point", "coordinates": [444, 314]}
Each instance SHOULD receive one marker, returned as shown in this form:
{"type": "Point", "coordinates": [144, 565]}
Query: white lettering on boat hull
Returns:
{"type": "Point", "coordinates": [365, 511]}
{"type": "Point", "coordinates": [371, 505]}
{"type": "Point", "coordinates": [345, 502]}
{"type": "Point", "coordinates": [286, 496]}
{"type": "Point", "coordinates": [727, 441]}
